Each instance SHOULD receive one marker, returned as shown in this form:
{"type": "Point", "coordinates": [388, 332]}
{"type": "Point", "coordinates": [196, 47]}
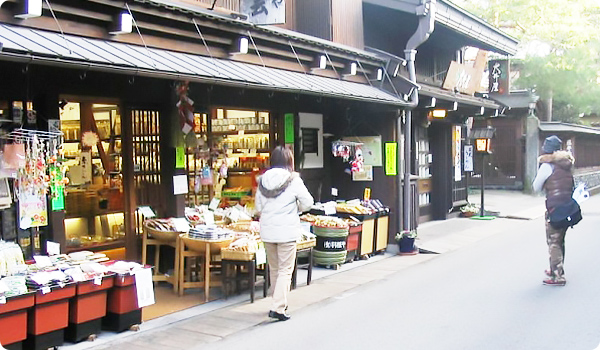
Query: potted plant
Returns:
{"type": "Point", "coordinates": [406, 242]}
{"type": "Point", "coordinates": [470, 209]}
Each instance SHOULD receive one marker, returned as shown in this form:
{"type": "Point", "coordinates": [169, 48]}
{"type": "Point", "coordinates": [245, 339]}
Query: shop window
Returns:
{"type": "Point", "coordinates": [233, 146]}
{"type": "Point", "coordinates": [423, 160]}
{"type": "Point", "coordinates": [94, 195]}
{"type": "Point", "coordinates": [310, 140]}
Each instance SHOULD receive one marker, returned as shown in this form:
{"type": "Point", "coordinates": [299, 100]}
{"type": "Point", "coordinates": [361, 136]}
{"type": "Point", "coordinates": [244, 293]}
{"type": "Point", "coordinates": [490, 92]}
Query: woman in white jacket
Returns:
{"type": "Point", "coordinates": [281, 196]}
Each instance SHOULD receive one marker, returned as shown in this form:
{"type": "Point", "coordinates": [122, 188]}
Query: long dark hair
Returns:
{"type": "Point", "coordinates": [282, 157]}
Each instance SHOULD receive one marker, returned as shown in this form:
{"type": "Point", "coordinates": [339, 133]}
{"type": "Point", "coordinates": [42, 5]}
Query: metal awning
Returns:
{"type": "Point", "coordinates": [441, 94]}
{"type": "Point", "coordinates": [49, 48]}
{"type": "Point", "coordinates": [558, 127]}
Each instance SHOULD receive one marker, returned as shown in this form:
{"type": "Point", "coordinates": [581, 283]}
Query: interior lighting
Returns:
{"type": "Point", "coordinates": [439, 113]}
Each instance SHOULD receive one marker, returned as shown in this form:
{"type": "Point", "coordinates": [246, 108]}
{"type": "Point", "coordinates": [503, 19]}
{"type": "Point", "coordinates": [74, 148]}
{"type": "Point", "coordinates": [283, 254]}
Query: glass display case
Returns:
{"type": "Point", "coordinates": [94, 217]}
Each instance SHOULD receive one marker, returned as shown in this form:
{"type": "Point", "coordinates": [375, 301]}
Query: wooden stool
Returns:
{"type": "Point", "coordinates": [308, 265]}
{"type": "Point", "coordinates": [232, 281]}
{"type": "Point", "coordinates": [159, 239]}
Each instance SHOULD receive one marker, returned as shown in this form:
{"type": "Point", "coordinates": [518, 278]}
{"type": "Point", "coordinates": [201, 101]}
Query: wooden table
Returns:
{"type": "Point", "coordinates": [192, 247]}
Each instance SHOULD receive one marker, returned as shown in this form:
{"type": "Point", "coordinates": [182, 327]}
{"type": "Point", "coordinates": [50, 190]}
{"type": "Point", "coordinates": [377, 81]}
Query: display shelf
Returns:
{"type": "Point", "coordinates": [104, 212]}
{"type": "Point", "coordinates": [98, 247]}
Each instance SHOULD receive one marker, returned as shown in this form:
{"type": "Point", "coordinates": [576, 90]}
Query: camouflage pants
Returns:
{"type": "Point", "coordinates": [556, 247]}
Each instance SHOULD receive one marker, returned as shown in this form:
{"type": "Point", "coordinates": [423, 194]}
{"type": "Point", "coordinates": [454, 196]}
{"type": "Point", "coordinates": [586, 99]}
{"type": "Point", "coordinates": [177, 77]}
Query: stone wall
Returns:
{"type": "Point", "coordinates": [591, 178]}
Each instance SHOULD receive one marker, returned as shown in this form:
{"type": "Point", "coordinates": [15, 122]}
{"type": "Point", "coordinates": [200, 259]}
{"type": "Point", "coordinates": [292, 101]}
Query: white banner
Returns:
{"type": "Point", "coordinates": [264, 11]}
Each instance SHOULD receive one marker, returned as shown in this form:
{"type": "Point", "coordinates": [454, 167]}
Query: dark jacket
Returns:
{"type": "Point", "coordinates": [559, 186]}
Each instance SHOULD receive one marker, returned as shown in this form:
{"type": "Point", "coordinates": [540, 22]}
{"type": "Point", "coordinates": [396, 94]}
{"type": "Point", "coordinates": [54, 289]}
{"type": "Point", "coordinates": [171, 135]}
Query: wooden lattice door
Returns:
{"type": "Point", "coordinates": [146, 159]}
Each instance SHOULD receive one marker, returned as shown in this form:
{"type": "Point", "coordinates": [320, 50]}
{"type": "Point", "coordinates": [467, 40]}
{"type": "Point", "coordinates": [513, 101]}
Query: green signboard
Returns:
{"type": "Point", "coordinates": [391, 160]}
{"type": "Point", "coordinates": [179, 158]}
{"type": "Point", "coordinates": [289, 127]}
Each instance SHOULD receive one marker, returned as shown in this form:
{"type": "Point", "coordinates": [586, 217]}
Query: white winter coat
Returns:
{"type": "Point", "coordinates": [280, 197]}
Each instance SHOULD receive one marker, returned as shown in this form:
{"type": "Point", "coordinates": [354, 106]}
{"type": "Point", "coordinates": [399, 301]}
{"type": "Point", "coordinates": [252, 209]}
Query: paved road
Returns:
{"type": "Point", "coordinates": [487, 295]}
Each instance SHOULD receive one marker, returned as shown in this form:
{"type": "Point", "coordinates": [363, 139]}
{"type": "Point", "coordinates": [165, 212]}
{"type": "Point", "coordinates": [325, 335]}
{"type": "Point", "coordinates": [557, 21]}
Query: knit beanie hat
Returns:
{"type": "Point", "coordinates": [551, 144]}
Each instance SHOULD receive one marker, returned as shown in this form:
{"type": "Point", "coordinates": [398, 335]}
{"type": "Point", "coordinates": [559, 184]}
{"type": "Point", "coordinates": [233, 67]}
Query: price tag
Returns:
{"type": "Point", "coordinates": [46, 290]}
{"type": "Point", "coordinates": [3, 300]}
{"type": "Point", "coordinates": [214, 203]}
{"type": "Point", "coordinates": [98, 280]}
{"type": "Point", "coordinates": [209, 218]}
{"type": "Point", "coordinates": [334, 191]}
{"type": "Point", "coordinates": [261, 254]}
{"type": "Point", "coordinates": [52, 248]}
{"type": "Point", "coordinates": [329, 208]}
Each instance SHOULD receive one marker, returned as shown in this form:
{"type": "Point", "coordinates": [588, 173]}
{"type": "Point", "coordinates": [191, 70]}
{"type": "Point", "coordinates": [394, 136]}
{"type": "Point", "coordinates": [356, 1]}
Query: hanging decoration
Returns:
{"type": "Point", "coordinates": [89, 139]}
{"type": "Point", "coordinates": [38, 172]}
{"type": "Point", "coordinates": [185, 107]}
{"type": "Point", "coordinates": [350, 152]}
{"type": "Point", "coordinates": [358, 162]}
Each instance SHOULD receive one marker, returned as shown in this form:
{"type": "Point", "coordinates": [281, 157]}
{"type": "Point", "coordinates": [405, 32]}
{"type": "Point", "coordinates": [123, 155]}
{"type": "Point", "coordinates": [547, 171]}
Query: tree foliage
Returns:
{"type": "Point", "coordinates": [559, 48]}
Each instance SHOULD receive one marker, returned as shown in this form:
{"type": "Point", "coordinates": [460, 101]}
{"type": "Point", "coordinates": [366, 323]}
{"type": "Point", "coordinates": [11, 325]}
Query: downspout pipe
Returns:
{"type": "Point", "coordinates": [426, 13]}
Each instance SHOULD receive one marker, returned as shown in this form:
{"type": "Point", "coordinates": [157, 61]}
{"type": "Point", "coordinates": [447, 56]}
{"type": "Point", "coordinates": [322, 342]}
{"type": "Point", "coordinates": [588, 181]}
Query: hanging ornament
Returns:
{"type": "Point", "coordinates": [89, 139]}
{"type": "Point", "coordinates": [358, 162]}
{"type": "Point", "coordinates": [185, 108]}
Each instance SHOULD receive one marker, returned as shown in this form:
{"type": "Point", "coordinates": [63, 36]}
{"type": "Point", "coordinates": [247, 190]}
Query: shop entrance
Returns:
{"type": "Point", "coordinates": [92, 148]}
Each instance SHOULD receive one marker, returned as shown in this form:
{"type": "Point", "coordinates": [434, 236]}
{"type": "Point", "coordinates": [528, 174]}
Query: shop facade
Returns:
{"type": "Point", "coordinates": [129, 135]}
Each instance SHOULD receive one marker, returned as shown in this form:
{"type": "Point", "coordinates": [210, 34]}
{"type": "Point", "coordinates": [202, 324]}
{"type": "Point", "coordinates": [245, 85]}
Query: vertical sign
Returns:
{"type": "Point", "coordinates": [468, 162]}
{"type": "Point", "coordinates": [391, 160]}
{"type": "Point", "coordinates": [456, 148]}
{"type": "Point", "coordinates": [289, 128]}
{"type": "Point", "coordinates": [179, 157]}
{"type": "Point", "coordinates": [499, 76]}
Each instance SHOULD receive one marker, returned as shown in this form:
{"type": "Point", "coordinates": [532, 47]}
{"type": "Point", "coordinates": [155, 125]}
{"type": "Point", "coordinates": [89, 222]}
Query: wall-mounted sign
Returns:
{"type": "Point", "coordinates": [311, 126]}
{"type": "Point", "coordinates": [288, 124]}
{"type": "Point", "coordinates": [179, 157]}
{"type": "Point", "coordinates": [465, 78]}
{"type": "Point", "coordinates": [391, 162]}
{"type": "Point", "coordinates": [499, 76]}
{"type": "Point", "coordinates": [264, 11]}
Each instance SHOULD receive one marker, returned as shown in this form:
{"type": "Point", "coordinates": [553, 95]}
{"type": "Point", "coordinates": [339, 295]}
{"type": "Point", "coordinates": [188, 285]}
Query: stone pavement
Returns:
{"type": "Point", "coordinates": [215, 320]}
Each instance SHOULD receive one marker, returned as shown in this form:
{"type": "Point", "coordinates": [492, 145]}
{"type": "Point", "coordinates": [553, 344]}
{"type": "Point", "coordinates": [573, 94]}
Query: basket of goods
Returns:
{"type": "Point", "coordinates": [161, 229]}
{"type": "Point", "coordinates": [198, 237]}
{"type": "Point", "coordinates": [194, 216]}
{"type": "Point", "coordinates": [243, 247]}
{"type": "Point", "coordinates": [306, 240]}
{"type": "Point", "coordinates": [353, 207]}
{"type": "Point", "coordinates": [330, 248]}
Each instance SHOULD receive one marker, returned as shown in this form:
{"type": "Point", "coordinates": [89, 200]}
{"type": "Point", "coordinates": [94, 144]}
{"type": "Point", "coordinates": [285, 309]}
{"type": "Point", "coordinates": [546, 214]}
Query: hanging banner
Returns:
{"type": "Point", "coordinates": [456, 148]}
{"type": "Point", "coordinates": [32, 211]}
{"type": "Point", "coordinates": [468, 162]}
{"type": "Point", "coordinates": [499, 73]}
{"type": "Point", "coordinates": [391, 160]}
{"type": "Point", "coordinates": [288, 128]}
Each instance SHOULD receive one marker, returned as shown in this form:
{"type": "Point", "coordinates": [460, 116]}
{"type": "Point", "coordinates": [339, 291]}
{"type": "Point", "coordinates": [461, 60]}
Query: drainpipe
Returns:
{"type": "Point", "coordinates": [426, 12]}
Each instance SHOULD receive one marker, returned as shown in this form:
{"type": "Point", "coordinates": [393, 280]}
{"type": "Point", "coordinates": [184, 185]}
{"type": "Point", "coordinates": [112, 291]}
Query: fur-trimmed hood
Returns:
{"type": "Point", "coordinates": [562, 159]}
